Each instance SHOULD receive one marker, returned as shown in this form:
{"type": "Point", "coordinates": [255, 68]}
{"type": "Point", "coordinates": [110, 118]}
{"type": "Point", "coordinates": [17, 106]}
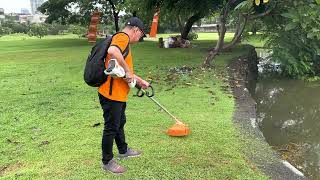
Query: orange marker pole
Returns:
{"type": "Point", "coordinates": [92, 32]}
{"type": "Point", "coordinates": [154, 26]}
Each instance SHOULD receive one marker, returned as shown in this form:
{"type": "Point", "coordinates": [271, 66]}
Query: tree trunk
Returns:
{"type": "Point", "coordinates": [237, 35]}
{"type": "Point", "coordinates": [115, 15]}
{"type": "Point", "coordinates": [116, 21]}
{"type": "Point", "coordinates": [188, 25]}
{"type": "Point", "coordinates": [222, 32]}
{"type": "Point", "coordinates": [180, 24]}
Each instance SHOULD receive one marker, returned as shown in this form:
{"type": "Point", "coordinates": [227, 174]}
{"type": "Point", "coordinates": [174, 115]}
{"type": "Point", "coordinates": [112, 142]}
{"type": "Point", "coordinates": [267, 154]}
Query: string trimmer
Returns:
{"type": "Point", "coordinates": [178, 129]}
{"type": "Point", "coordinates": [115, 70]}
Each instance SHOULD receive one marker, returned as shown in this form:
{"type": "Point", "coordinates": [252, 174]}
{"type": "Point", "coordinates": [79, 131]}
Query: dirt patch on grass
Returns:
{"type": "Point", "coordinates": [88, 162]}
{"type": "Point", "coordinates": [12, 168]}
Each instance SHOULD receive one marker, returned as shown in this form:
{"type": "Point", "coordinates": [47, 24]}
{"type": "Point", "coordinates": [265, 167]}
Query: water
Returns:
{"type": "Point", "coordinates": [289, 117]}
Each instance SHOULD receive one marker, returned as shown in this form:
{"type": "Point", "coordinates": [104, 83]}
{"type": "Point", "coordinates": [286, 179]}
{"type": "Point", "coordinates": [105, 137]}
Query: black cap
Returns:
{"type": "Point", "coordinates": [134, 21]}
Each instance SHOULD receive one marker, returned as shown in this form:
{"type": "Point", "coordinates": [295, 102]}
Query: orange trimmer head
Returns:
{"type": "Point", "coordinates": [178, 130]}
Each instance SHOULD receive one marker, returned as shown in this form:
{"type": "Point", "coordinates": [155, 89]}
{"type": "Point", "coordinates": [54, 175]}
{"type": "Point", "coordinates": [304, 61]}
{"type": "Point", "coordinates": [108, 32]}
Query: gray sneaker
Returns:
{"type": "Point", "coordinates": [129, 153]}
{"type": "Point", "coordinates": [113, 167]}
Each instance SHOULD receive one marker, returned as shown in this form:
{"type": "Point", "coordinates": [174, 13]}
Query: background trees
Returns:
{"type": "Point", "coordinates": [291, 27]}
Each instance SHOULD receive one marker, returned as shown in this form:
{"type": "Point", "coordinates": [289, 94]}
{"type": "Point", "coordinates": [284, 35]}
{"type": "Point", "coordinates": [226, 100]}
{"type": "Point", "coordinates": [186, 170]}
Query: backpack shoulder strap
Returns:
{"type": "Point", "coordinates": [126, 51]}
{"type": "Point", "coordinates": [124, 54]}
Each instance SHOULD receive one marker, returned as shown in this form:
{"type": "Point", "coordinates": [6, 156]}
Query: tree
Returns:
{"type": "Point", "coordinates": [39, 30]}
{"type": "Point", "coordinates": [57, 11]}
{"type": "Point", "coordinates": [291, 27]}
{"type": "Point", "coordinates": [187, 12]}
{"type": "Point", "coordinates": [243, 11]}
{"type": "Point", "coordinates": [80, 11]}
{"type": "Point", "coordinates": [293, 34]}
{"type": "Point", "coordinates": [144, 9]}
{"type": "Point", "coordinates": [116, 6]}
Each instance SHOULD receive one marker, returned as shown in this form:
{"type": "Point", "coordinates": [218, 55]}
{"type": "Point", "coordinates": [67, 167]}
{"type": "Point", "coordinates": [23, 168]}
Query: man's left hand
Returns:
{"type": "Point", "coordinates": [144, 84]}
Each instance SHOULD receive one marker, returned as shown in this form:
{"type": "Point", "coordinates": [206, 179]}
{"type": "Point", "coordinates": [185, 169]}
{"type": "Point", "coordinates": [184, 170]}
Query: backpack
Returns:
{"type": "Point", "coordinates": [95, 66]}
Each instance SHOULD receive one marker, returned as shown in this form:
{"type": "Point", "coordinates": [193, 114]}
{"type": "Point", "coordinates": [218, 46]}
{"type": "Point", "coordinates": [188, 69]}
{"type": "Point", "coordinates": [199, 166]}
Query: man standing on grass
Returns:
{"type": "Point", "coordinates": [113, 95]}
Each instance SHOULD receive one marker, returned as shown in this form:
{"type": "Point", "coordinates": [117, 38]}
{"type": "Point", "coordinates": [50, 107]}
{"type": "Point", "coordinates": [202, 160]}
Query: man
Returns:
{"type": "Point", "coordinates": [113, 95]}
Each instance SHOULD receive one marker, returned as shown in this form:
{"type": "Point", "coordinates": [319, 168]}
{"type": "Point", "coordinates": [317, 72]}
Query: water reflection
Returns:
{"type": "Point", "coordinates": [289, 112]}
{"type": "Point", "coordinates": [266, 64]}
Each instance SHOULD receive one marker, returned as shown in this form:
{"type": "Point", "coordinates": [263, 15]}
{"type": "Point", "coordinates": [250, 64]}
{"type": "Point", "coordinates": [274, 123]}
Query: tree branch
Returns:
{"type": "Point", "coordinates": [115, 15]}
{"type": "Point", "coordinates": [237, 35]}
{"type": "Point", "coordinates": [255, 16]}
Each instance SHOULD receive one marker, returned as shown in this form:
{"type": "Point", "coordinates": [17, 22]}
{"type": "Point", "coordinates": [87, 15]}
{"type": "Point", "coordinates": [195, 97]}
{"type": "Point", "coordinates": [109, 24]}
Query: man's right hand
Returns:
{"type": "Point", "coordinates": [129, 77]}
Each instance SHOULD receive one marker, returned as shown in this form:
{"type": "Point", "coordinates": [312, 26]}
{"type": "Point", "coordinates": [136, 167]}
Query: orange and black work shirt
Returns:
{"type": "Point", "coordinates": [120, 88]}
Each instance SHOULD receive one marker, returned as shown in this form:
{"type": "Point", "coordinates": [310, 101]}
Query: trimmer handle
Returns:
{"type": "Point", "coordinates": [141, 92]}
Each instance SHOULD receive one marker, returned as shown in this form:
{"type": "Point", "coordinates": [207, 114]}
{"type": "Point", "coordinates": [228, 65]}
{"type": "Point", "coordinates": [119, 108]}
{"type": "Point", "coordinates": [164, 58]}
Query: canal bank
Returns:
{"type": "Point", "coordinates": [243, 73]}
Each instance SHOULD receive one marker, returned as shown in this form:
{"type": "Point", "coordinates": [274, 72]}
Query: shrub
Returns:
{"type": "Point", "coordinates": [192, 36]}
{"type": "Point", "coordinates": [5, 31]}
{"type": "Point", "coordinates": [76, 29]}
{"type": "Point", "coordinates": [38, 30]}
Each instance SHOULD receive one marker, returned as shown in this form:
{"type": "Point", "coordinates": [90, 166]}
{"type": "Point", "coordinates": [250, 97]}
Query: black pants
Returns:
{"type": "Point", "coordinates": [114, 121]}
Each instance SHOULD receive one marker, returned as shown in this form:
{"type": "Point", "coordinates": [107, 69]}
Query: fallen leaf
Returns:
{"type": "Point", "coordinates": [44, 143]}
{"type": "Point", "coordinates": [96, 124]}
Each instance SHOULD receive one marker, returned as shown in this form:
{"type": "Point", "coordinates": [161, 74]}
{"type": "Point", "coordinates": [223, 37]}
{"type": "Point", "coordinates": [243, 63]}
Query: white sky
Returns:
{"type": "Point", "coordinates": [15, 5]}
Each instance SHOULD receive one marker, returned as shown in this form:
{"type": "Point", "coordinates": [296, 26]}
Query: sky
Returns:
{"type": "Point", "coordinates": [15, 5]}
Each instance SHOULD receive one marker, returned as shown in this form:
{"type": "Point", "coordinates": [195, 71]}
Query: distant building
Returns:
{"type": "Point", "coordinates": [23, 17]}
{"type": "Point", "coordinates": [37, 18]}
{"type": "Point", "coordinates": [25, 11]}
{"type": "Point", "coordinates": [205, 28]}
{"type": "Point", "coordinates": [13, 17]}
{"type": "Point", "coordinates": [34, 6]}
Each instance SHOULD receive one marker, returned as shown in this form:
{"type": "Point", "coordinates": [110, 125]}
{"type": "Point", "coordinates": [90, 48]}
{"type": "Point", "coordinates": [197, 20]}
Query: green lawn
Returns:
{"type": "Point", "coordinates": [201, 36]}
{"type": "Point", "coordinates": [255, 40]}
{"type": "Point", "coordinates": [47, 114]}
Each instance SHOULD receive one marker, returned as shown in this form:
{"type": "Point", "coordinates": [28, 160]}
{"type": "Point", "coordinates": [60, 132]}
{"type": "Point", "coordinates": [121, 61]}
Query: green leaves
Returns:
{"type": "Point", "coordinates": [294, 37]}
{"type": "Point", "coordinates": [293, 17]}
{"type": "Point", "coordinates": [290, 15]}
{"type": "Point", "coordinates": [303, 14]}
{"type": "Point", "coordinates": [291, 26]}
{"type": "Point", "coordinates": [245, 5]}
